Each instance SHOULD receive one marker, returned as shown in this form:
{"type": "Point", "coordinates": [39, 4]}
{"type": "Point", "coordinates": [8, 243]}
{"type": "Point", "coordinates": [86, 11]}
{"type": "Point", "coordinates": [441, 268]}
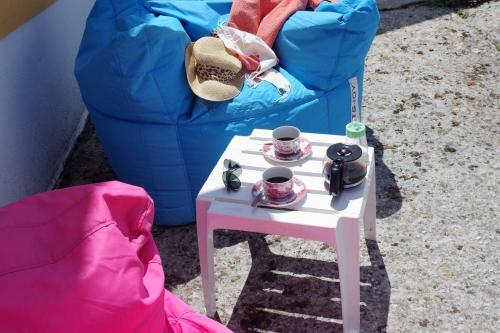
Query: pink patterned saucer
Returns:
{"type": "Point", "coordinates": [304, 152]}
{"type": "Point", "coordinates": [298, 194]}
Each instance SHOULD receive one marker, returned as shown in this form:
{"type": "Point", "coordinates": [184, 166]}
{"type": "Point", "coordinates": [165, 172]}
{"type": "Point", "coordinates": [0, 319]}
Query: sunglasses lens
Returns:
{"type": "Point", "coordinates": [231, 180]}
{"type": "Point", "coordinates": [235, 184]}
{"type": "Point", "coordinates": [231, 165]}
{"type": "Point", "coordinates": [236, 172]}
{"type": "Point", "coordinates": [228, 163]}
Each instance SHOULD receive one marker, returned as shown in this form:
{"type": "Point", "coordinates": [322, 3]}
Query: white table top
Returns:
{"type": "Point", "coordinates": [317, 209]}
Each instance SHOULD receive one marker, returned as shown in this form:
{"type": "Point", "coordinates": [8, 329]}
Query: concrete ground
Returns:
{"type": "Point", "coordinates": [431, 101]}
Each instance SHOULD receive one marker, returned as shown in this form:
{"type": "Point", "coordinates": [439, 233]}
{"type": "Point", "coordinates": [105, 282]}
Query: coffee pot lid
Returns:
{"type": "Point", "coordinates": [348, 153]}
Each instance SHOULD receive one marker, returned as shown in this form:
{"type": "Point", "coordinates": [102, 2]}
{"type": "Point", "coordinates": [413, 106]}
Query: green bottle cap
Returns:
{"type": "Point", "coordinates": [355, 129]}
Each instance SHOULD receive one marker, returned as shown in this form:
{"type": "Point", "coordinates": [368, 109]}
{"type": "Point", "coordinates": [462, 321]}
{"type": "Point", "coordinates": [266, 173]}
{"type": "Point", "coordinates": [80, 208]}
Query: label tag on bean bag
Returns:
{"type": "Point", "coordinates": [355, 114]}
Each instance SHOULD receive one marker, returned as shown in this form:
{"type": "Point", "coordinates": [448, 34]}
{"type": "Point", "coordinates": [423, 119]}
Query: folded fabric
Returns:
{"type": "Point", "coordinates": [83, 259]}
{"type": "Point", "coordinates": [253, 52]}
{"type": "Point", "coordinates": [265, 18]}
{"type": "Point", "coordinates": [260, 58]}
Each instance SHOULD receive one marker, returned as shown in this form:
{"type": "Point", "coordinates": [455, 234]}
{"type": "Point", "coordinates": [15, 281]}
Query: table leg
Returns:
{"type": "Point", "coordinates": [369, 218]}
{"type": "Point", "coordinates": [347, 239]}
{"type": "Point", "coordinates": [206, 253]}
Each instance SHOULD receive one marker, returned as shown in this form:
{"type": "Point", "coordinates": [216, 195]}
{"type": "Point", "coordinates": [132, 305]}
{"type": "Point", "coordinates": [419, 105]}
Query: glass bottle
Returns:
{"type": "Point", "coordinates": [356, 135]}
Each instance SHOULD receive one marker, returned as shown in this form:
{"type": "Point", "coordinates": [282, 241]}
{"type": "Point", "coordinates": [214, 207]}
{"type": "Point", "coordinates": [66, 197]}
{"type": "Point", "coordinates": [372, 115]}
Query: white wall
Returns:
{"type": "Point", "coordinates": [40, 104]}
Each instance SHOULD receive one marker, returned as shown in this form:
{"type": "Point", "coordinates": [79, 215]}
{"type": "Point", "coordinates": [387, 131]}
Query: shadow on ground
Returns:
{"type": "Point", "coordinates": [389, 198]}
{"type": "Point", "coordinates": [282, 293]}
{"type": "Point", "coordinates": [395, 17]}
{"type": "Point", "coordinates": [87, 162]}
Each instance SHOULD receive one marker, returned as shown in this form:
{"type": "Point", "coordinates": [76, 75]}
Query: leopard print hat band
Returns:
{"type": "Point", "coordinates": [209, 72]}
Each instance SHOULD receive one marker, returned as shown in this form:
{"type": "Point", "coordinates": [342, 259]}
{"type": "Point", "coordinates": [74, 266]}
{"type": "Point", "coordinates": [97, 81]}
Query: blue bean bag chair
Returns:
{"type": "Point", "coordinates": [158, 135]}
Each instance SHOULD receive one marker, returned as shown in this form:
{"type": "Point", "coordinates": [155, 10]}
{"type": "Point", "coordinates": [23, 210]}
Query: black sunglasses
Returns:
{"type": "Point", "coordinates": [230, 176]}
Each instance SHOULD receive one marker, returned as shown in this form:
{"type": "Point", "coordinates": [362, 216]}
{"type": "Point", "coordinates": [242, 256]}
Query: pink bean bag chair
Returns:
{"type": "Point", "coordinates": [83, 259]}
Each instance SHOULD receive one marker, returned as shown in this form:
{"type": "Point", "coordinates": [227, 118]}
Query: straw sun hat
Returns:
{"type": "Point", "coordinates": [212, 72]}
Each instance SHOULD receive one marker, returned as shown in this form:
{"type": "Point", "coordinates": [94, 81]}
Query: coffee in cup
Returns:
{"type": "Point", "coordinates": [277, 182]}
{"type": "Point", "coordinates": [286, 140]}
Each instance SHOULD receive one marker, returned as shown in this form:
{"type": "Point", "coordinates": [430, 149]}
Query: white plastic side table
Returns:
{"type": "Point", "coordinates": [319, 217]}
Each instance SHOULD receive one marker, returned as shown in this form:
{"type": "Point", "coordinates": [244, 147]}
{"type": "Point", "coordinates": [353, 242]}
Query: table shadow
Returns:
{"type": "Point", "coordinates": [288, 294]}
{"type": "Point", "coordinates": [281, 294]}
{"type": "Point", "coordinates": [389, 197]}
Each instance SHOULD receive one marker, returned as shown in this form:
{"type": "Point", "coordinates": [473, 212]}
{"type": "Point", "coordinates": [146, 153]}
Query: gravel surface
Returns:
{"type": "Point", "coordinates": [431, 101]}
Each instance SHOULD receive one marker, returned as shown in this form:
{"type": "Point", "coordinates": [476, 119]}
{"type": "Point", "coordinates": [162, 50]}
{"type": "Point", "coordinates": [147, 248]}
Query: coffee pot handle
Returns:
{"type": "Point", "coordinates": [336, 177]}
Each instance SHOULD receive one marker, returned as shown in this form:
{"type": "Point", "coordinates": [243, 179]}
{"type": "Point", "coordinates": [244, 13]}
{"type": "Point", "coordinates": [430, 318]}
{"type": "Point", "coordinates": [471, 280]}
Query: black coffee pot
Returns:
{"type": "Point", "coordinates": [344, 166]}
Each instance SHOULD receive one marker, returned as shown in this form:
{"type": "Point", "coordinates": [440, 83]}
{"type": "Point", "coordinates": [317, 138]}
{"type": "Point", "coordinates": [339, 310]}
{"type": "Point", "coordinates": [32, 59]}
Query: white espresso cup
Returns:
{"type": "Point", "coordinates": [286, 140]}
{"type": "Point", "coordinates": [277, 182]}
